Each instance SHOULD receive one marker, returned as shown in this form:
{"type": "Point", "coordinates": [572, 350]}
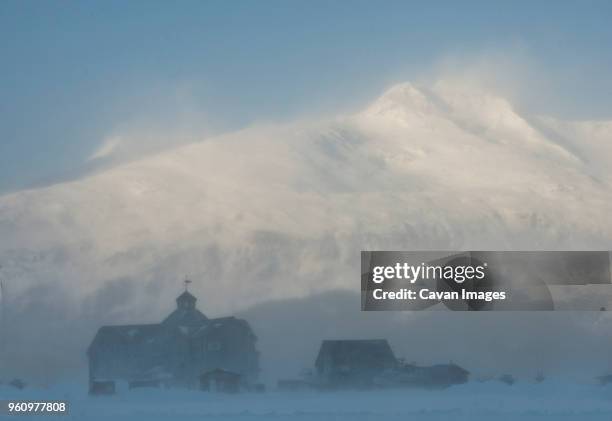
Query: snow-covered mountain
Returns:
{"type": "Point", "coordinates": [271, 212]}
{"type": "Point", "coordinates": [282, 211]}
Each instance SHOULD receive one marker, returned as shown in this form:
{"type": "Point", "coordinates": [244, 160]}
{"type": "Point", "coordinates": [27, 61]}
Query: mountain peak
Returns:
{"type": "Point", "coordinates": [443, 97]}
{"type": "Point", "coordinates": [453, 168]}
{"type": "Point", "coordinates": [399, 101]}
{"type": "Point", "coordinates": [464, 108]}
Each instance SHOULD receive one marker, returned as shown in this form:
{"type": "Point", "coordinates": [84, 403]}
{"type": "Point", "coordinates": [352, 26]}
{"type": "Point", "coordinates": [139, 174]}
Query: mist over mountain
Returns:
{"type": "Point", "coordinates": [281, 212]}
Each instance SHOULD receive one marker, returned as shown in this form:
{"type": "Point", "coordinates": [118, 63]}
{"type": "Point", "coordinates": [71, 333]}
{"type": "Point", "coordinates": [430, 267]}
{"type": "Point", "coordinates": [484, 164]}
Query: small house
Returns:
{"type": "Point", "coordinates": [219, 380]}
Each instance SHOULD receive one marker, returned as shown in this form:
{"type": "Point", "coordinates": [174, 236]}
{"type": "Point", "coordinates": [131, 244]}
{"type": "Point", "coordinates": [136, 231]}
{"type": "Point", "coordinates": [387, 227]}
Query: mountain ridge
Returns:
{"type": "Point", "coordinates": [252, 210]}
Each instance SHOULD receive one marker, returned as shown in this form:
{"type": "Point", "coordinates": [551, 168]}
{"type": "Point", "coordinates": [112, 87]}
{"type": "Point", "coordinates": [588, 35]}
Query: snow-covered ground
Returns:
{"type": "Point", "coordinates": [475, 401]}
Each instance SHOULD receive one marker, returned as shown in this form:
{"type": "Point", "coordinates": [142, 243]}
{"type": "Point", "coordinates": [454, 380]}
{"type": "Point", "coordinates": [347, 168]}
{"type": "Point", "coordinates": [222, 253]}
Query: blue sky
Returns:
{"type": "Point", "coordinates": [74, 73]}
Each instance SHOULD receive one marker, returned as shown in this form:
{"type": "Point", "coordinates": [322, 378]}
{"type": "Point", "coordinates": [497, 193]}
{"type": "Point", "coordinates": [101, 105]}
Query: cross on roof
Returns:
{"type": "Point", "coordinates": [187, 281]}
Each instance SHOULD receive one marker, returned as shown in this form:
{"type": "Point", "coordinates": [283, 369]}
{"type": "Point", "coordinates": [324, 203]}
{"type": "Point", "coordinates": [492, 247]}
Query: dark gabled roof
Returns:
{"type": "Point", "coordinates": [223, 322]}
{"type": "Point", "coordinates": [127, 334]}
{"type": "Point", "coordinates": [355, 352]}
{"type": "Point", "coordinates": [185, 321]}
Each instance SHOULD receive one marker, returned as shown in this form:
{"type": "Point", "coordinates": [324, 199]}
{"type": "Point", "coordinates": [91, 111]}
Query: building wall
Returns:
{"type": "Point", "coordinates": [184, 358]}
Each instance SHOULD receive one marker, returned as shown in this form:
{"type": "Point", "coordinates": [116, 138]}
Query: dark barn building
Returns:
{"type": "Point", "coordinates": [176, 351]}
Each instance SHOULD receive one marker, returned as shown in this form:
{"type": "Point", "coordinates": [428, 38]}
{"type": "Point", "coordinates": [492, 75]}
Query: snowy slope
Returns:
{"type": "Point", "coordinates": [285, 210]}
